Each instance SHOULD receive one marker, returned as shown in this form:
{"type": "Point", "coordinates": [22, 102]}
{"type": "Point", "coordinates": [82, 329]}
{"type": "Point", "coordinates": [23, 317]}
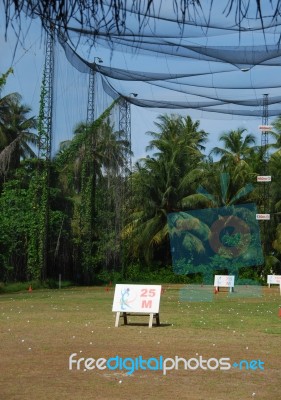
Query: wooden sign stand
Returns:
{"type": "Point", "coordinates": [125, 316]}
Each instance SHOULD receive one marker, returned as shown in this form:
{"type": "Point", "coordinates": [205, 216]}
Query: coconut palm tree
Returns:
{"type": "Point", "coordinates": [17, 139]}
{"type": "Point", "coordinates": [96, 147]}
{"type": "Point", "coordinates": [239, 158]}
{"type": "Point", "coordinates": [237, 149]}
{"type": "Point", "coordinates": [165, 183]}
{"type": "Point", "coordinates": [276, 134]}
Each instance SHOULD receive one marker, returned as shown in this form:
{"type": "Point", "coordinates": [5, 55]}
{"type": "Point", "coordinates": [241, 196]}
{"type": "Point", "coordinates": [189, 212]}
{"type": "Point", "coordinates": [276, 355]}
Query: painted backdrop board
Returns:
{"type": "Point", "coordinates": [137, 298]}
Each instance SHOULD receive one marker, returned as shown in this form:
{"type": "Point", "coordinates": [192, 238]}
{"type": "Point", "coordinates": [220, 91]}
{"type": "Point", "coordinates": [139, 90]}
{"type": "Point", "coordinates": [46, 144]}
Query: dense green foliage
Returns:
{"type": "Point", "coordinates": [74, 216]}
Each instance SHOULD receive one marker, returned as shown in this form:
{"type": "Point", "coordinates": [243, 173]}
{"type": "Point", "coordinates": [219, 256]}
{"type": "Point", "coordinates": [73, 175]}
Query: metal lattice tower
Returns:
{"type": "Point", "coordinates": [88, 197]}
{"type": "Point", "coordinates": [125, 187]}
{"type": "Point", "coordinates": [90, 119]}
{"type": "Point", "coordinates": [45, 126]}
{"type": "Point", "coordinates": [91, 98]}
{"type": "Point", "coordinates": [125, 130]}
{"type": "Point", "coordinates": [46, 100]}
{"type": "Point", "coordinates": [264, 146]}
{"type": "Point", "coordinates": [265, 184]}
{"type": "Point", "coordinates": [264, 136]}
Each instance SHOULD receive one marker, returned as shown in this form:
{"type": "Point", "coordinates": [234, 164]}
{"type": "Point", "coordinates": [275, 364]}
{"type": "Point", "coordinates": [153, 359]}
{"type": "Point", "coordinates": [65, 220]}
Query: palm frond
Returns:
{"type": "Point", "coordinates": [5, 155]}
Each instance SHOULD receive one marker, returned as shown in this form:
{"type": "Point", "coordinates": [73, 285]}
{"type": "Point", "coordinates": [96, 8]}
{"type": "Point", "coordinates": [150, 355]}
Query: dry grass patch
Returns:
{"type": "Point", "coordinates": [39, 331]}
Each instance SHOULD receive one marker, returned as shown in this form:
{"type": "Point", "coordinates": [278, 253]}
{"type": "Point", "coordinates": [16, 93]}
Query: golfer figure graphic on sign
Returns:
{"type": "Point", "coordinates": [125, 294]}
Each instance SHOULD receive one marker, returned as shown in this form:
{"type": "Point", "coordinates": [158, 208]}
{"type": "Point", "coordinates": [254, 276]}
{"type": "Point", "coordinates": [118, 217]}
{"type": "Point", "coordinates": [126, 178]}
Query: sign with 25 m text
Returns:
{"type": "Point", "coordinates": [136, 298]}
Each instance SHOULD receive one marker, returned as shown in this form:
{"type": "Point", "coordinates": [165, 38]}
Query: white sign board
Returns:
{"type": "Point", "coordinates": [136, 298]}
{"type": "Point", "coordinates": [264, 178]}
{"type": "Point", "coordinates": [224, 281]}
{"type": "Point", "coordinates": [274, 279]}
{"type": "Point", "coordinates": [263, 217]}
{"type": "Point", "coordinates": [265, 128]}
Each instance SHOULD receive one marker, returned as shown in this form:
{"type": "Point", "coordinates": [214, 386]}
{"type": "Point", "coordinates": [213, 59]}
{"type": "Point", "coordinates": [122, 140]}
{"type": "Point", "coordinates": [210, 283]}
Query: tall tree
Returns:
{"type": "Point", "coordinates": [236, 150]}
{"type": "Point", "coordinates": [165, 183]}
{"type": "Point", "coordinates": [92, 163]}
{"type": "Point", "coordinates": [16, 132]}
{"type": "Point", "coordinates": [276, 134]}
{"type": "Point", "coordinates": [238, 157]}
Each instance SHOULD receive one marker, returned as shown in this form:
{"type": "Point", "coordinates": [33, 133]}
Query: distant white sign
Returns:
{"type": "Point", "coordinates": [265, 128]}
{"type": "Point", "coordinates": [263, 216]}
{"type": "Point", "coordinates": [265, 178]}
{"type": "Point", "coordinates": [224, 281]}
{"type": "Point", "coordinates": [274, 279]}
{"type": "Point", "coordinates": [136, 298]}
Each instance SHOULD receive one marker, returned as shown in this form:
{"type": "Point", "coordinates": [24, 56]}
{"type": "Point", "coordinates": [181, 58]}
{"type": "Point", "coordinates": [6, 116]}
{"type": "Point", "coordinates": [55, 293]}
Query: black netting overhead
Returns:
{"type": "Point", "coordinates": [212, 64]}
{"type": "Point", "coordinates": [143, 16]}
{"type": "Point", "coordinates": [211, 56]}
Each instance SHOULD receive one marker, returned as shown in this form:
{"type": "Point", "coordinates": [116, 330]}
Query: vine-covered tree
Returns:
{"type": "Point", "coordinates": [90, 169]}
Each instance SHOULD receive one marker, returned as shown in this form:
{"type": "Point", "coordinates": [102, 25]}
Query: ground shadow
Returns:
{"type": "Point", "coordinates": [145, 324]}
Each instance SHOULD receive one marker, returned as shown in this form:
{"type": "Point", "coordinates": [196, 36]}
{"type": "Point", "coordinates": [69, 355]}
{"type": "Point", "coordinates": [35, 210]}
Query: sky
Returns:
{"type": "Point", "coordinates": [27, 60]}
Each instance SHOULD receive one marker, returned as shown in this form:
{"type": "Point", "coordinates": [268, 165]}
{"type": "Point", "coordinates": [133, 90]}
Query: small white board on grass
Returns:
{"type": "Point", "coordinates": [274, 280]}
{"type": "Point", "coordinates": [224, 280]}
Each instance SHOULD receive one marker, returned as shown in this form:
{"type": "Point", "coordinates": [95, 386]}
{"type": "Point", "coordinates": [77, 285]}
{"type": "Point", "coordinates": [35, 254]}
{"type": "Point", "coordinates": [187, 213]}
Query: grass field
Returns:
{"type": "Point", "coordinates": [40, 330]}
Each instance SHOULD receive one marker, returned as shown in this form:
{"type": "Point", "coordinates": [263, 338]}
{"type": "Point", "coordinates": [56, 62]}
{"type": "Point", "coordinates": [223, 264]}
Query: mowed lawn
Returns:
{"type": "Point", "coordinates": [39, 331]}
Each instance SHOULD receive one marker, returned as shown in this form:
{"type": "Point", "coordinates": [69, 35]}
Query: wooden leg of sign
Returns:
{"type": "Point", "coordinates": [150, 320]}
{"type": "Point", "coordinates": [157, 319]}
{"type": "Point", "coordinates": [280, 288]}
{"type": "Point", "coordinates": [125, 318]}
{"type": "Point", "coordinates": [117, 319]}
